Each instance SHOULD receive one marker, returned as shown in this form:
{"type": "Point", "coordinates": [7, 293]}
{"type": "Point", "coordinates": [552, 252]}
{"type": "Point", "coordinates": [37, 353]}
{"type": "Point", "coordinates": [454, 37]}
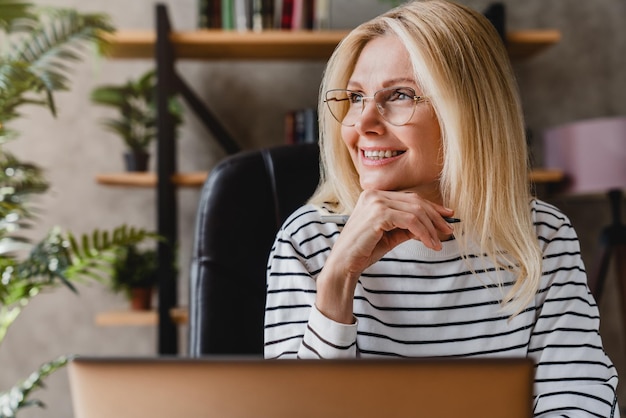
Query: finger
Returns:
{"type": "Point", "coordinates": [436, 212]}
{"type": "Point", "coordinates": [419, 225]}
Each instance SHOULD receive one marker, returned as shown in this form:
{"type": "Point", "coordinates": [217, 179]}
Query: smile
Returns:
{"type": "Point", "coordinates": [380, 154]}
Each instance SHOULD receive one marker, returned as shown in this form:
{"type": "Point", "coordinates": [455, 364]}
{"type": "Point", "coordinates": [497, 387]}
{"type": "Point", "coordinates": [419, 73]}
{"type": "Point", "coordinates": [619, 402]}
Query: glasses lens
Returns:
{"type": "Point", "coordinates": [345, 106]}
{"type": "Point", "coordinates": [396, 104]}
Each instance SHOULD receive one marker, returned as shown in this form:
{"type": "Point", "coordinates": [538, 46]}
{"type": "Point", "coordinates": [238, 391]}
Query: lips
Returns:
{"type": "Point", "coordinates": [381, 154]}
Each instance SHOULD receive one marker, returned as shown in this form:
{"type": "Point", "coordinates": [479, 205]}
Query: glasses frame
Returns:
{"type": "Point", "coordinates": [416, 99]}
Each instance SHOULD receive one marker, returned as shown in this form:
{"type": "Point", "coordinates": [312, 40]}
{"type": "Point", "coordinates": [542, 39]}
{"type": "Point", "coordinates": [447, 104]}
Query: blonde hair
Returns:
{"type": "Point", "coordinates": [462, 66]}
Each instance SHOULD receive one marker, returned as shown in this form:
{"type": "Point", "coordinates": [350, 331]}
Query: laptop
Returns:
{"type": "Point", "coordinates": [166, 387]}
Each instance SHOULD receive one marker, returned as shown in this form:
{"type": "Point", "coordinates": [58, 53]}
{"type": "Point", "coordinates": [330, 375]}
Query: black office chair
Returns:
{"type": "Point", "coordinates": [242, 205]}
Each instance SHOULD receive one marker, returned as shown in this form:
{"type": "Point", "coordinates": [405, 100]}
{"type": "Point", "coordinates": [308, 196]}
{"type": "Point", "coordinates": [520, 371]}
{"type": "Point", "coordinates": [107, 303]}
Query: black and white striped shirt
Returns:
{"type": "Point", "coordinates": [417, 302]}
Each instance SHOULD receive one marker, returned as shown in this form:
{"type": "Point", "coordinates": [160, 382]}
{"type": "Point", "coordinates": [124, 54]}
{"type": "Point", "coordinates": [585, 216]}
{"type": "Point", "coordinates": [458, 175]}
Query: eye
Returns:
{"type": "Point", "coordinates": [354, 97]}
{"type": "Point", "coordinates": [401, 94]}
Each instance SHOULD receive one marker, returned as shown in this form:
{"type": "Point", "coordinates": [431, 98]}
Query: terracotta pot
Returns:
{"type": "Point", "coordinates": [141, 298]}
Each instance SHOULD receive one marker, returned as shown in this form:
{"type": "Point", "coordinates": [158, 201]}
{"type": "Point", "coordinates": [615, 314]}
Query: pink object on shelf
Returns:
{"type": "Point", "coordinates": [591, 153]}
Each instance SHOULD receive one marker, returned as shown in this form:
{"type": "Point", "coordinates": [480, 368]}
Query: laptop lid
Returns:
{"type": "Point", "coordinates": [255, 388]}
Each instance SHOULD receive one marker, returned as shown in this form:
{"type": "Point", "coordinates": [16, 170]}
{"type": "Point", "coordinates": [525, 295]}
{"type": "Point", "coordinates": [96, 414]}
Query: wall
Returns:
{"type": "Point", "coordinates": [579, 78]}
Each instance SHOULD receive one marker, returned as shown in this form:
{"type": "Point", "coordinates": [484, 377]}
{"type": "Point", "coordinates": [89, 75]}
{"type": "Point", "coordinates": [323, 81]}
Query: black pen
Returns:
{"type": "Point", "coordinates": [342, 219]}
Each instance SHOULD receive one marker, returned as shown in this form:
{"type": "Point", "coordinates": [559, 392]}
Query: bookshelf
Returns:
{"type": "Point", "coordinates": [210, 44]}
{"type": "Point", "coordinates": [165, 47]}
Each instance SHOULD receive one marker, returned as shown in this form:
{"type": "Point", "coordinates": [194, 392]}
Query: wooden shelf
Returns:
{"type": "Point", "coordinates": [209, 44]}
{"type": "Point", "coordinates": [149, 179]}
{"type": "Point", "coordinates": [197, 179]}
{"type": "Point", "coordinates": [525, 44]}
{"type": "Point", "coordinates": [139, 318]}
{"type": "Point", "coordinates": [546, 176]}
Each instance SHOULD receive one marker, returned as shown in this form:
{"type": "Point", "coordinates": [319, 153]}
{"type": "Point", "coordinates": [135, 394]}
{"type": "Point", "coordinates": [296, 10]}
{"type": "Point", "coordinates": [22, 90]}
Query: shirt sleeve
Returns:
{"type": "Point", "coordinates": [294, 328]}
{"type": "Point", "coordinates": [574, 376]}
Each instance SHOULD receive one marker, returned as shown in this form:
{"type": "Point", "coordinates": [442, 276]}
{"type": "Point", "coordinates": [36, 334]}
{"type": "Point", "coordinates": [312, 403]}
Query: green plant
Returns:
{"type": "Point", "coordinates": [39, 43]}
{"type": "Point", "coordinates": [134, 267]}
{"type": "Point", "coordinates": [17, 397]}
{"type": "Point", "coordinates": [135, 102]}
{"type": "Point", "coordinates": [37, 46]}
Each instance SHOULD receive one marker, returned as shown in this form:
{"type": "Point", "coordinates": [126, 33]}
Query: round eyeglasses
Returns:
{"type": "Point", "coordinates": [395, 104]}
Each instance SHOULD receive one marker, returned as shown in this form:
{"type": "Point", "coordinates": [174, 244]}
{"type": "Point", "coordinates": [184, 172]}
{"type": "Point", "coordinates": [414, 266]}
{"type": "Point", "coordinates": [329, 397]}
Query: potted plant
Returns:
{"type": "Point", "coordinates": [38, 46]}
{"type": "Point", "coordinates": [135, 275]}
{"type": "Point", "coordinates": [135, 102]}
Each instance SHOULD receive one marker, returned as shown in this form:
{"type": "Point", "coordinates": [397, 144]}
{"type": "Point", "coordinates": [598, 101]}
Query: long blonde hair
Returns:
{"type": "Point", "coordinates": [461, 64]}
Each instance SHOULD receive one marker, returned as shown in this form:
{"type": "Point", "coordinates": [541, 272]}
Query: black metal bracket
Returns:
{"type": "Point", "coordinates": [169, 83]}
{"type": "Point", "coordinates": [211, 123]}
{"type": "Point", "coordinates": [167, 210]}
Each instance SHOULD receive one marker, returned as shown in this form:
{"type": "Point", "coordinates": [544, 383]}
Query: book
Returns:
{"type": "Point", "coordinates": [286, 21]}
{"type": "Point", "coordinates": [278, 11]}
{"type": "Point", "coordinates": [308, 14]}
{"type": "Point", "coordinates": [290, 124]}
{"type": "Point", "coordinates": [267, 14]}
{"type": "Point", "coordinates": [297, 14]}
{"type": "Point", "coordinates": [261, 15]}
{"type": "Point", "coordinates": [303, 15]}
{"type": "Point", "coordinates": [209, 14]}
{"type": "Point", "coordinates": [242, 20]}
{"type": "Point", "coordinates": [311, 131]}
{"type": "Point", "coordinates": [228, 14]}
{"type": "Point", "coordinates": [301, 126]}
{"type": "Point", "coordinates": [203, 14]}
{"type": "Point", "coordinates": [257, 15]}
{"type": "Point", "coordinates": [321, 11]}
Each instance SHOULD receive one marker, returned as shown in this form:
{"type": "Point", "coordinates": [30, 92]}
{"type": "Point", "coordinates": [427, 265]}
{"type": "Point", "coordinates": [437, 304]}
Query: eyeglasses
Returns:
{"type": "Point", "coordinates": [395, 104]}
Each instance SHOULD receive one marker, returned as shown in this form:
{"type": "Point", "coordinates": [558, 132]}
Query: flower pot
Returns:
{"type": "Point", "coordinates": [136, 160]}
{"type": "Point", "coordinates": [141, 298]}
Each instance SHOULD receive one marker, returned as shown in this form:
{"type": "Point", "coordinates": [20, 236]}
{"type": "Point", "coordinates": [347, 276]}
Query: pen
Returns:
{"type": "Point", "coordinates": [342, 219]}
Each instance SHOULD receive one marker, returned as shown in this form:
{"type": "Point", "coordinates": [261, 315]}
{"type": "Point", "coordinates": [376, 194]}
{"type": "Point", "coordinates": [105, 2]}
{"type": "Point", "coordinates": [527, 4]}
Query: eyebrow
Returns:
{"type": "Point", "coordinates": [386, 83]}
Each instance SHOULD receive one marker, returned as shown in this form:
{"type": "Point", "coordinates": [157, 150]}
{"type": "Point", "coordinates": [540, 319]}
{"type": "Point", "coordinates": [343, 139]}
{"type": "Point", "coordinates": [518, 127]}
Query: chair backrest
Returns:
{"type": "Point", "coordinates": [242, 205]}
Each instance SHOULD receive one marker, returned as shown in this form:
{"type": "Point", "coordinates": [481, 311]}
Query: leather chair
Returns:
{"type": "Point", "coordinates": [243, 203]}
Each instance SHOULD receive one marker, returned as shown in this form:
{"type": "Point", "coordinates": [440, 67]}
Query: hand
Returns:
{"type": "Point", "coordinates": [381, 220]}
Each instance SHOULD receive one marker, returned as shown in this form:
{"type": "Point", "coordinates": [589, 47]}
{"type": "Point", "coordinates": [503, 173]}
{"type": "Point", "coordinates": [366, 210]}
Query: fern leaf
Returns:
{"type": "Point", "coordinates": [18, 396]}
{"type": "Point", "coordinates": [12, 11]}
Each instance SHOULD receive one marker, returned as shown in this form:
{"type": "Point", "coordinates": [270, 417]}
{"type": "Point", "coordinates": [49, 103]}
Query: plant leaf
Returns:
{"type": "Point", "coordinates": [18, 396]}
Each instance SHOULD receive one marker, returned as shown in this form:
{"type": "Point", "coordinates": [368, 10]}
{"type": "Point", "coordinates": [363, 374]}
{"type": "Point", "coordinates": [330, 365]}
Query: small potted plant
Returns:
{"type": "Point", "coordinates": [135, 123]}
{"type": "Point", "coordinates": [135, 275]}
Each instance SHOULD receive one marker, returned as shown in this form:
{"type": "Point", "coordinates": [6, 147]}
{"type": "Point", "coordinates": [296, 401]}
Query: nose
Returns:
{"type": "Point", "coordinates": [370, 115]}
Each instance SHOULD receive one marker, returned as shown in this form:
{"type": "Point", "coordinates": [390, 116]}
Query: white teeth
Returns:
{"type": "Point", "coordinates": [380, 154]}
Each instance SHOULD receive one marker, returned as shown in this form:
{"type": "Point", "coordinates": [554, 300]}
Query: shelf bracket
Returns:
{"type": "Point", "coordinates": [167, 213]}
{"type": "Point", "coordinates": [170, 83]}
{"type": "Point", "coordinates": [209, 120]}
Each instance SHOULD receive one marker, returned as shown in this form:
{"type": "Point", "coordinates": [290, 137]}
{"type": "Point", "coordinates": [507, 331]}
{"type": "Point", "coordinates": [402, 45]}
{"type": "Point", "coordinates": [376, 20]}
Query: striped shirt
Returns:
{"type": "Point", "coordinates": [417, 302]}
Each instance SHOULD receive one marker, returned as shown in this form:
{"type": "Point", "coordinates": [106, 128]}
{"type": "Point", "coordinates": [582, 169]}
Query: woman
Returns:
{"type": "Point", "coordinates": [420, 121]}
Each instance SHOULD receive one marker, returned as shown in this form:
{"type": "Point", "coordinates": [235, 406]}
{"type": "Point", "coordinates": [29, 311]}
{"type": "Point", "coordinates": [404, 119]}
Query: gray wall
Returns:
{"type": "Point", "coordinates": [581, 77]}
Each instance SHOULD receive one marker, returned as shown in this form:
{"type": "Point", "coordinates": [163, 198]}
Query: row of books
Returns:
{"type": "Point", "coordinates": [261, 15]}
{"type": "Point", "coordinates": [301, 126]}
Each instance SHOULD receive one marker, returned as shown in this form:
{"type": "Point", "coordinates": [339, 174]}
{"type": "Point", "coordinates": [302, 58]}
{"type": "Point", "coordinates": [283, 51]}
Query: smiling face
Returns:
{"type": "Point", "coordinates": [389, 157]}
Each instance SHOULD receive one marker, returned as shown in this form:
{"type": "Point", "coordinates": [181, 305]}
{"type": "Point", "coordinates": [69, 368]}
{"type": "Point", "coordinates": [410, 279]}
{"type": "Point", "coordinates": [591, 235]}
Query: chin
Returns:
{"type": "Point", "coordinates": [380, 186]}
